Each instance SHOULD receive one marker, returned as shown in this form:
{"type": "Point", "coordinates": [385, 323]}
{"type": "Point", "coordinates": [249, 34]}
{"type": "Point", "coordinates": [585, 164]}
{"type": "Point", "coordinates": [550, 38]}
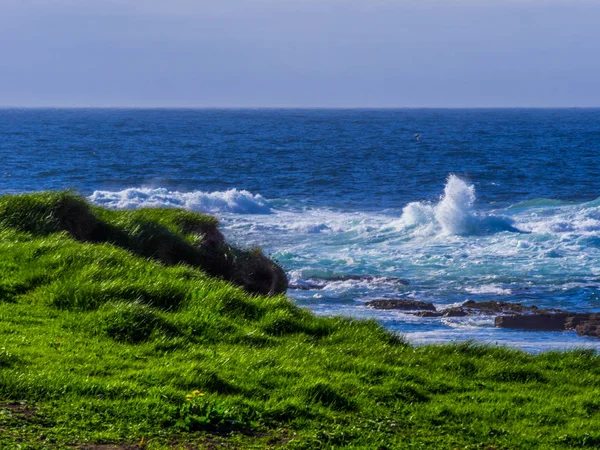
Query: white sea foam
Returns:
{"type": "Point", "coordinates": [469, 321]}
{"type": "Point", "coordinates": [488, 289]}
{"type": "Point", "coordinates": [568, 219]}
{"type": "Point", "coordinates": [230, 201]}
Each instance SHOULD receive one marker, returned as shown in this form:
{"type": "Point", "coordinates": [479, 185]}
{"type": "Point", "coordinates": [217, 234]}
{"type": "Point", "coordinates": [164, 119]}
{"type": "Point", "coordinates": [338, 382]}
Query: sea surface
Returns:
{"type": "Point", "coordinates": [495, 204]}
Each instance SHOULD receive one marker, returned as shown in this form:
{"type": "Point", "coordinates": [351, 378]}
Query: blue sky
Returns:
{"type": "Point", "coordinates": [300, 53]}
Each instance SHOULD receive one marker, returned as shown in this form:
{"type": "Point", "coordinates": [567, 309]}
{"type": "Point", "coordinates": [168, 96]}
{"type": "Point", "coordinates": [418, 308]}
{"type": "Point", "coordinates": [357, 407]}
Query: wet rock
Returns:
{"type": "Point", "coordinates": [401, 304]}
{"type": "Point", "coordinates": [586, 324]}
{"type": "Point", "coordinates": [493, 307]}
{"type": "Point", "coordinates": [576, 319]}
{"type": "Point", "coordinates": [589, 327]}
{"type": "Point", "coordinates": [426, 313]}
{"type": "Point", "coordinates": [455, 312]}
{"type": "Point", "coordinates": [507, 315]}
{"type": "Point", "coordinates": [534, 322]}
{"type": "Point", "coordinates": [307, 287]}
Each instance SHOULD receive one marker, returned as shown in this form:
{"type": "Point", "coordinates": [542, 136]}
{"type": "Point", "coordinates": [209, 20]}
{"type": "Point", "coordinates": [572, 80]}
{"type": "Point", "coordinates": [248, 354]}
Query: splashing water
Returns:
{"type": "Point", "coordinates": [454, 214]}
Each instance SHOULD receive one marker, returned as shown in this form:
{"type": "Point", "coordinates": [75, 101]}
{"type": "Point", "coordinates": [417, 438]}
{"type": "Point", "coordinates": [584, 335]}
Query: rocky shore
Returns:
{"type": "Point", "coordinates": [506, 315]}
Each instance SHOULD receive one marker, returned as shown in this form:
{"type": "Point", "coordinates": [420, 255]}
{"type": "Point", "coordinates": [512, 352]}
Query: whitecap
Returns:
{"type": "Point", "coordinates": [230, 201]}
{"type": "Point", "coordinates": [488, 289]}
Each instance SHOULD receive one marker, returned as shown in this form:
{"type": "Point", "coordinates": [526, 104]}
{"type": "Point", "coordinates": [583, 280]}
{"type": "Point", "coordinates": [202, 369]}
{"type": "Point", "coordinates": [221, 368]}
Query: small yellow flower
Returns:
{"type": "Point", "coordinates": [198, 393]}
{"type": "Point", "coordinates": [188, 397]}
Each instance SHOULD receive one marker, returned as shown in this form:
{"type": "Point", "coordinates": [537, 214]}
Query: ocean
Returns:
{"type": "Point", "coordinates": [498, 204]}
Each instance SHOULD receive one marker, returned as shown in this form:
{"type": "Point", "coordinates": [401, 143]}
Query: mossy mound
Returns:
{"type": "Point", "coordinates": [131, 322]}
{"type": "Point", "coordinates": [170, 236]}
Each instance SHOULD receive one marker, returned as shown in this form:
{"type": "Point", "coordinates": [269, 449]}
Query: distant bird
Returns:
{"type": "Point", "coordinates": [417, 137]}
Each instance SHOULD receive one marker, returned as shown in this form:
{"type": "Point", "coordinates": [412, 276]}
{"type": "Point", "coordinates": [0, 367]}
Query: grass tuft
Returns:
{"type": "Point", "coordinates": [131, 322]}
{"type": "Point", "coordinates": [322, 392]}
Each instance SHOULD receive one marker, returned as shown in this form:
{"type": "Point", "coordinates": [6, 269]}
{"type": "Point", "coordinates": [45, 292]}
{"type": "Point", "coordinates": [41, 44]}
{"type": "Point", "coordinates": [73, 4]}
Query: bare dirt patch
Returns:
{"type": "Point", "coordinates": [19, 409]}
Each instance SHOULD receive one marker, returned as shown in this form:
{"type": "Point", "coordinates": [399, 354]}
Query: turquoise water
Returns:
{"type": "Point", "coordinates": [488, 205]}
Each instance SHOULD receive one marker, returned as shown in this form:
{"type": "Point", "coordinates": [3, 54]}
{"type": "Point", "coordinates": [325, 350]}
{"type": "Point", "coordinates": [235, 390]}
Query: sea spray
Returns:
{"type": "Point", "coordinates": [454, 214]}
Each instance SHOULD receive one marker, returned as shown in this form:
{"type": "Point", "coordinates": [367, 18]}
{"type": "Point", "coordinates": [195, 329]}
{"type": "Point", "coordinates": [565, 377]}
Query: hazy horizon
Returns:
{"type": "Point", "coordinates": [329, 54]}
{"type": "Point", "coordinates": [292, 108]}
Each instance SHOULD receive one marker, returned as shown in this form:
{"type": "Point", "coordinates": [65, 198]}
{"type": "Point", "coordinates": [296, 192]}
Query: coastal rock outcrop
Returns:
{"type": "Point", "coordinates": [533, 322]}
{"type": "Point", "coordinates": [493, 307]}
{"type": "Point", "coordinates": [401, 304]}
{"type": "Point", "coordinates": [589, 327]}
{"type": "Point", "coordinates": [306, 286]}
{"type": "Point", "coordinates": [506, 315]}
{"type": "Point", "coordinates": [585, 324]}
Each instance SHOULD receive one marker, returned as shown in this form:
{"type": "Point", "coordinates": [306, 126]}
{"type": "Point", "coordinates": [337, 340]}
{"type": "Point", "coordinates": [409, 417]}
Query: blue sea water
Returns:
{"type": "Point", "coordinates": [488, 205]}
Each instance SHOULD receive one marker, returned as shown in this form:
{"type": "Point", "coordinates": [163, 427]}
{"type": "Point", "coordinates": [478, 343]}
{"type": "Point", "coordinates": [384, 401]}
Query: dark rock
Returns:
{"type": "Point", "coordinates": [576, 319]}
{"type": "Point", "coordinates": [536, 322]}
{"type": "Point", "coordinates": [584, 323]}
{"type": "Point", "coordinates": [493, 307]}
{"type": "Point", "coordinates": [508, 315]}
{"type": "Point", "coordinates": [589, 327]}
{"type": "Point", "coordinates": [306, 287]}
{"type": "Point", "coordinates": [401, 304]}
{"type": "Point", "coordinates": [455, 312]}
{"type": "Point", "coordinates": [426, 313]}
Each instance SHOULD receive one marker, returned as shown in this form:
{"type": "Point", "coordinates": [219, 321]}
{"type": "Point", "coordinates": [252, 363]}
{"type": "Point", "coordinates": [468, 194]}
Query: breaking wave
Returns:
{"type": "Point", "coordinates": [230, 201]}
{"type": "Point", "coordinates": [454, 214]}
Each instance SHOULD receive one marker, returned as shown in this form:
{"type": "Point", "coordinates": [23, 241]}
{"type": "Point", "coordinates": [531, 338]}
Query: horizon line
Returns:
{"type": "Point", "coordinates": [132, 107]}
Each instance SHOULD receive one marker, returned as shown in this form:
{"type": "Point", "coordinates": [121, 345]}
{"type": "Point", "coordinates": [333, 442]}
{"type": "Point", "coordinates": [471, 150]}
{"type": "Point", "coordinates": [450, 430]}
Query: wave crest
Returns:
{"type": "Point", "coordinates": [230, 201]}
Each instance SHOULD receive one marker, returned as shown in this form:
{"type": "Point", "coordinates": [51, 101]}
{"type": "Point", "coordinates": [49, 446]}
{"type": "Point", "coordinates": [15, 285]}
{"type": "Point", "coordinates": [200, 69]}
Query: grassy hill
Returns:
{"type": "Point", "coordinates": [145, 329]}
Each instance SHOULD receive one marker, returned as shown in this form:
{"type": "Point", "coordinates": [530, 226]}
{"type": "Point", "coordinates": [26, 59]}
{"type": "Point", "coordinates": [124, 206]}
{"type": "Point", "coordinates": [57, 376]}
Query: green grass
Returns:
{"type": "Point", "coordinates": [104, 342]}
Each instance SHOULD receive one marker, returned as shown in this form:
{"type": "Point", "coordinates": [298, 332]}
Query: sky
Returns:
{"type": "Point", "coordinates": [300, 53]}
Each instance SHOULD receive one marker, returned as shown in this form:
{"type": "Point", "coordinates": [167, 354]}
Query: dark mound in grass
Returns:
{"type": "Point", "coordinates": [169, 236]}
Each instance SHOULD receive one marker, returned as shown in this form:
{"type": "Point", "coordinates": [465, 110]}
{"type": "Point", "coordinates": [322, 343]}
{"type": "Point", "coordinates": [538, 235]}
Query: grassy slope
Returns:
{"type": "Point", "coordinates": [101, 345]}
